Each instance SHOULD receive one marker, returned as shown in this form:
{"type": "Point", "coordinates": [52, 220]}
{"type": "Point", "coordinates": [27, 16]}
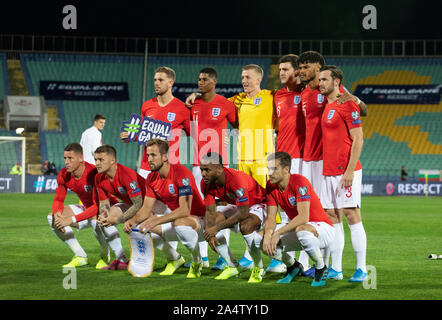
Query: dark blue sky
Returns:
{"type": "Point", "coordinates": [270, 19]}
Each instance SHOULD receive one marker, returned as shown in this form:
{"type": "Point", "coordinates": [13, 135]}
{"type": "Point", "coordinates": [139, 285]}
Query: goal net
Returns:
{"type": "Point", "coordinates": [12, 164]}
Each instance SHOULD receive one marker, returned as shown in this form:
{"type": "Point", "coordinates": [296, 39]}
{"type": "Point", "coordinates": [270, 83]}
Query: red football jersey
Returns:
{"type": "Point", "coordinates": [239, 189]}
{"type": "Point", "coordinates": [83, 187]}
{"type": "Point", "coordinates": [174, 112]}
{"type": "Point", "coordinates": [313, 104]}
{"type": "Point", "coordinates": [291, 133]}
{"type": "Point", "coordinates": [210, 121]}
{"type": "Point", "coordinates": [337, 121]}
{"type": "Point", "coordinates": [299, 189]}
{"type": "Point", "coordinates": [125, 185]}
{"type": "Point", "coordinates": [179, 182]}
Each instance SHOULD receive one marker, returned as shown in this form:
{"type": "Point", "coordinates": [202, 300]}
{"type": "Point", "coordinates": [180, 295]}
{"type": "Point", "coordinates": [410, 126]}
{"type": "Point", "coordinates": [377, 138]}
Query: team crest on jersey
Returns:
{"type": "Point", "coordinates": [331, 113]}
{"type": "Point", "coordinates": [171, 116]}
{"type": "Point", "coordinates": [355, 115]}
{"type": "Point", "coordinates": [216, 112]}
{"type": "Point", "coordinates": [133, 185]}
{"type": "Point", "coordinates": [292, 201]}
{"type": "Point", "coordinates": [122, 190]}
{"type": "Point", "coordinates": [302, 191]}
{"type": "Point", "coordinates": [320, 98]}
{"type": "Point", "coordinates": [185, 181]}
{"type": "Point", "coordinates": [87, 188]}
{"type": "Point", "coordinates": [257, 101]}
{"type": "Point", "coordinates": [297, 99]}
{"type": "Point", "coordinates": [240, 192]}
{"type": "Point", "coordinates": [171, 189]}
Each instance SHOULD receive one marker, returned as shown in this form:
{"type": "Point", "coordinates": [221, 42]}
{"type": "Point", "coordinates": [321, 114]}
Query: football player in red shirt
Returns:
{"type": "Point", "coordinates": [246, 199]}
{"type": "Point", "coordinates": [79, 177]}
{"type": "Point", "coordinates": [210, 115]}
{"type": "Point", "coordinates": [116, 180]}
{"type": "Point", "coordinates": [313, 103]}
{"type": "Point", "coordinates": [174, 185]}
{"type": "Point", "coordinates": [309, 227]}
{"type": "Point", "coordinates": [341, 189]}
{"type": "Point", "coordinates": [291, 132]}
{"type": "Point", "coordinates": [165, 107]}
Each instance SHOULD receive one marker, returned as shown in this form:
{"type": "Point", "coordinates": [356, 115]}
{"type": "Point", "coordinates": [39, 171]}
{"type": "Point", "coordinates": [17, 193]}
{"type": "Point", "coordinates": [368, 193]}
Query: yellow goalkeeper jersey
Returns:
{"type": "Point", "coordinates": [257, 120]}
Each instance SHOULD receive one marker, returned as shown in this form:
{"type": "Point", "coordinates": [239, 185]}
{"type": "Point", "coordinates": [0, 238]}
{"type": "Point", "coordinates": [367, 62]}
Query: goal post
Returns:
{"type": "Point", "coordinates": [10, 154]}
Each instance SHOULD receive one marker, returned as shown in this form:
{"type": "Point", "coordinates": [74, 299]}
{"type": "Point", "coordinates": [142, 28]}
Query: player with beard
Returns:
{"type": "Point", "coordinates": [313, 104]}
{"type": "Point", "coordinates": [174, 185]}
{"type": "Point", "coordinates": [342, 174]}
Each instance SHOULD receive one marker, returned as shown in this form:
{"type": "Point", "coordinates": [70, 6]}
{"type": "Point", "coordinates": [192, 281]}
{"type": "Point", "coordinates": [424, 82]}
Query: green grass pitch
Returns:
{"type": "Point", "coordinates": [401, 233]}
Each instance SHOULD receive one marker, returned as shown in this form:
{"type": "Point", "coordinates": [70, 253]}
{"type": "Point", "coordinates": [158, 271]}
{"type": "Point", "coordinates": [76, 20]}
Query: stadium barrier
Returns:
{"type": "Point", "coordinates": [371, 186]}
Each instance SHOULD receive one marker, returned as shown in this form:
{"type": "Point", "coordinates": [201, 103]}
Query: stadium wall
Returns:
{"type": "Point", "coordinates": [370, 186]}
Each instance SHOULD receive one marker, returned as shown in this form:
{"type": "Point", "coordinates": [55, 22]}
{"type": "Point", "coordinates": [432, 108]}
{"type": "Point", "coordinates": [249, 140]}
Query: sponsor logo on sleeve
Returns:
{"type": "Point", "coordinates": [240, 192]}
{"type": "Point", "coordinates": [185, 181]}
{"type": "Point", "coordinates": [303, 192]}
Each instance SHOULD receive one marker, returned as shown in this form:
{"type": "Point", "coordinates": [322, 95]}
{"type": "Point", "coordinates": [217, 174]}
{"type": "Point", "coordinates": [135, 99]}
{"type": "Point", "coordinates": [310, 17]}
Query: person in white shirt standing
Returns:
{"type": "Point", "coordinates": [91, 138]}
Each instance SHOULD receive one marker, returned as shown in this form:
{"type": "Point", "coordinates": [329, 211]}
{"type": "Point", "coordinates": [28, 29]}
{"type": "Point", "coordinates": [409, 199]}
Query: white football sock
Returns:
{"type": "Point", "coordinates": [101, 238]}
{"type": "Point", "coordinates": [224, 250]}
{"type": "Point", "coordinates": [160, 244]}
{"type": "Point", "coordinates": [114, 241]}
{"type": "Point", "coordinates": [253, 241]}
{"type": "Point", "coordinates": [304, 260]}
{"type": "Point", "coordinates": [359, 241]}
{"type": "Point", "coordinates": [68, 237]}
{"type": "Point", "coordinates": [311, 245]}
{"type": "Point", "coordinates": [189, 238]}
{"type": "Point", "coordinates": [326, 254]}
{"type": "Point", "coordinates": [337, 247]}
{"type": "Point", "coordinates": [203, 248]}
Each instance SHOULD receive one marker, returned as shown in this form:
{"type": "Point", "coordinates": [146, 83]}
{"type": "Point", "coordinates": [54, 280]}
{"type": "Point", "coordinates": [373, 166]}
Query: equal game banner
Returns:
{"type": "Point", "coordinates": [85, 91]}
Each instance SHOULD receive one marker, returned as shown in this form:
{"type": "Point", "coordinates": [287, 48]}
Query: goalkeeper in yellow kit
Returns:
{"type": "Point", "coordinates": [257, 123]}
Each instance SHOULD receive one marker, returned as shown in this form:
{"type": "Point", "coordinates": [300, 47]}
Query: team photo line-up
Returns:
{"type": "Point", "coordinates": [298, 174]}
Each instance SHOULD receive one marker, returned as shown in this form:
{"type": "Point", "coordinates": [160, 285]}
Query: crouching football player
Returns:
{"type": "Point", "coordinates": [309, 228]}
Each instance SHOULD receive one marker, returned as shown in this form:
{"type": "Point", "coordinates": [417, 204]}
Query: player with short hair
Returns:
{"type": "Point", "coordinates": [165, 107]}
{"type": "Point", "coordinates": [309, 227]}
{"type": "Point", "coordinates": [341, 189]}
{"type": "Point", "coordinates": [114, 179]}
{"type": "Point", "coordinates": [313, 104]}
{"type": "Point", "coordinates": [79, 177]}
{"type": "Point", "coordinates": [210, 115]}
{"type": "Point", "coordinates": [91, 138]}
{"type": "Point", "coordinates": [174, 185]}
{"type": "Point", "coordinates": [291, 123]}
{"type": "Point", "coordinates": [257, 122]}
{"type": "Point", "coordinates": [246, 199]}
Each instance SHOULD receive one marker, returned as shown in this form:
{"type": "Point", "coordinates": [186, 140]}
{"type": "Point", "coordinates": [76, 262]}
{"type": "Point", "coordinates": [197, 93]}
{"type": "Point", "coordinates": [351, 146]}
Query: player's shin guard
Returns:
{"type": "Point", "coordinates": [114, 241]}
{"type": "Point", "coordinates": [189, 238]}
{"type": "Point", "coordinates": [359, 241]}
{"type": "Point", "coordinates": [311, 245]}
{"type": "Point", "coordinates": [162, 245]}
{"type": "Point", "coordinates": [337, 247]}
{"type": "Point", "coordinates": [253, 241]}
{"type": "Point", "coordinates": [67, 237]}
